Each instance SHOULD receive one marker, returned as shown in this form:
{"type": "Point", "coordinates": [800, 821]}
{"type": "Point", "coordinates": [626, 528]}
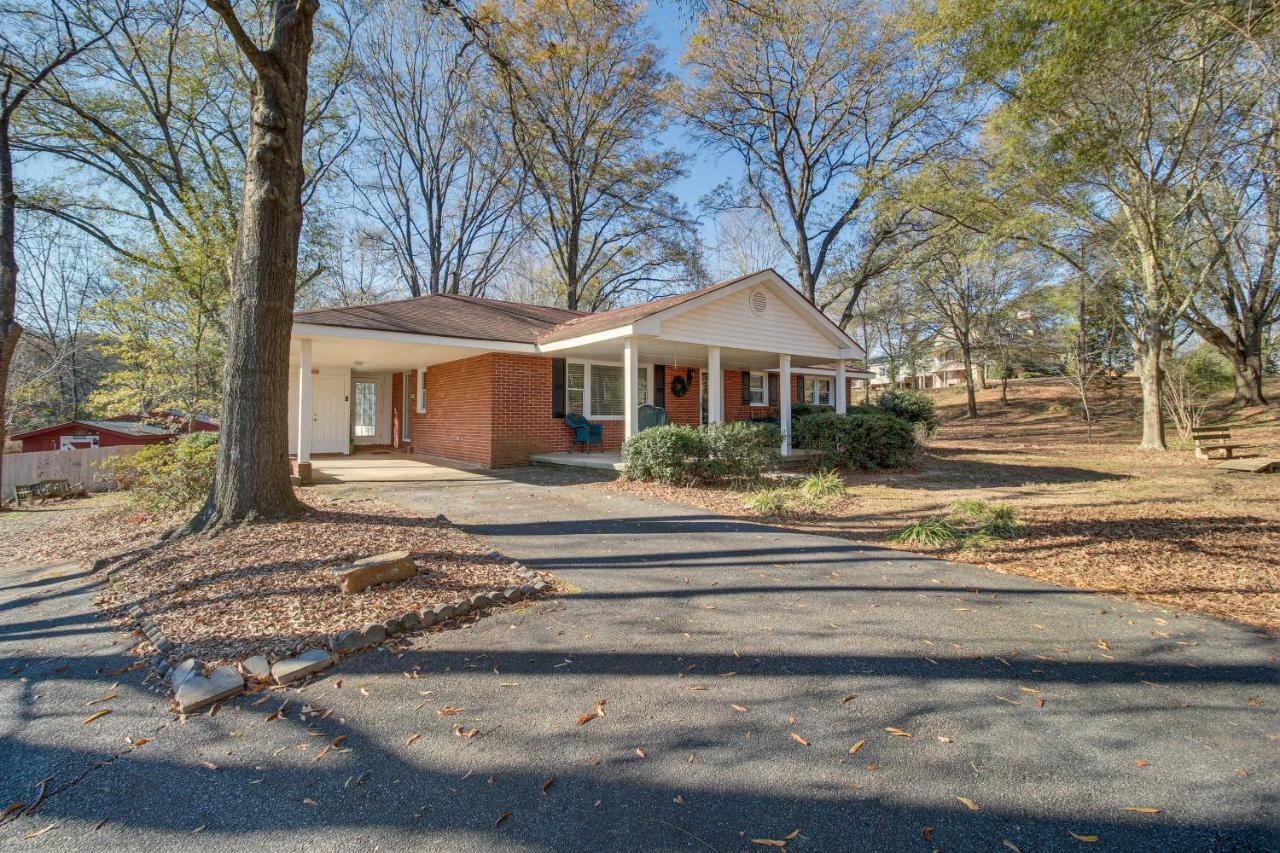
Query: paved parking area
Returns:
{"type": "Point", "coordinates": [738, 664]}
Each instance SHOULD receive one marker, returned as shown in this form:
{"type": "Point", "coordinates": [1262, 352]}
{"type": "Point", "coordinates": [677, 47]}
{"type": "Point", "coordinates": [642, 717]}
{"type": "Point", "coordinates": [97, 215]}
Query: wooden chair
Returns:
{"type": "Point", "coordinates": [585, 432]}
{"type": "Point", "coordinates": [31, 491]}
{"type": "Point", "coordinates": [1209, 439]}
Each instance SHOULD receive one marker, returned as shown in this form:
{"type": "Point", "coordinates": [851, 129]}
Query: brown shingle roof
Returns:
{"type": "Point", "coordinates": [448, 315]}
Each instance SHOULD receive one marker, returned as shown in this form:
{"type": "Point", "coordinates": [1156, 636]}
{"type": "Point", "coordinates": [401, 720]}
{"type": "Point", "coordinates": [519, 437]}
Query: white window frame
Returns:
{"type": "Point", "coordinates": [646, 369]}
{"type": "Point", "coordinates": [764, 388]}
{"type": "Point", "coordinates": [813, 397]}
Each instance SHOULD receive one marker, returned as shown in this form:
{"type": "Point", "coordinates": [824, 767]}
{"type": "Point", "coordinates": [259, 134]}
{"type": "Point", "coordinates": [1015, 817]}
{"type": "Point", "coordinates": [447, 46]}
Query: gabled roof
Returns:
{"type": "Point", "coordinates": [476, 318]}
{"type": "Point", "coordinates": [599, 322]}
{"type": "Point", "coordinates": [447, 315]}
{"type": "Point", "coordinates": [131, 428]}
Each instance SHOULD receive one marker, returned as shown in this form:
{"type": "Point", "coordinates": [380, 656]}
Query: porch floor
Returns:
{"type": "Point", "coordinates": [380, 466]}
{"type": "Point", "coordinates": [599, 461]}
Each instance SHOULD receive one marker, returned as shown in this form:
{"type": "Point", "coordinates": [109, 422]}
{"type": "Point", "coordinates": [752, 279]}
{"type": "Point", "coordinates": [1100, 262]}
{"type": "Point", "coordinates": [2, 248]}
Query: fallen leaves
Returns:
{"type": "Point", "coordinates": [1141, 809]}
{"type": "Point", "coordinates": [968, 803]}
{"type": "Point", "coordinates": [208, 765]}
{"type": "Point", "coordinates": [501, 818]}
{"type": "Point", "coordinates": [596, 713]}
{"type": "Point", "coordinates": [777, 842]}
{"type": "Point", "coordinates": [857, 746]}
{"type": "Point", "coordinates": [40, 832]}
{"type": "Point", "coordinates": [738, 709]}
{"type": "Point", "coordinates": [546, 786]}
{"type": "Point", "coordinates": [1141, 762]}
{"type": "Point", "coordinates": [464, 733]}
{"type": "Point", "coordinates": [96, 715]}
{"type": "Point", "coordinates": [896, 732]}
{"type": "Point", "coordinates": [1087, 839]}
{"type": "Point", "coordinates": [411, 738]}
{"type": "Point", "coordinates": [449, 711]}
{"type": "Point", "coordinates": [795, 737]}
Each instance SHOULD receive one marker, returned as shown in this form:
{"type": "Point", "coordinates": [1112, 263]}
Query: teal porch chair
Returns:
{"type": "Point", "coordinates": [585, 432]}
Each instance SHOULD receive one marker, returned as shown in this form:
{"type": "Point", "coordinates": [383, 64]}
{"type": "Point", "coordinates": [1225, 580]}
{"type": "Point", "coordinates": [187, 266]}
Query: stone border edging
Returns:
{"type": "Point", "coordinates": [193, 691]}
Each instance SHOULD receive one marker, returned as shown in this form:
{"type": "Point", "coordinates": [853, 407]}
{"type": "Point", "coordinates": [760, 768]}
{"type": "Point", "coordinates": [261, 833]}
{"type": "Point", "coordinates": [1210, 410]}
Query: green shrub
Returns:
{"type": "Point", "coordinates": [990, 520]}
{"type": "Point", "coordinates": [860, 439]}
{"type": "Point", "coordinates": [740, 451]}
{"type": "Point", "coordinates": [170, 476]}
{"type": "Point", "coordinates": [912, 406]}
{"type": "Point", "coordinates": [823, 484]}
{"type": "Point", "coordinates": [672, 454]}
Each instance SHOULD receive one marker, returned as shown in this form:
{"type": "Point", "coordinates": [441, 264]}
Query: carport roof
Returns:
{"type": "Point", "coordinates": [447, 315]}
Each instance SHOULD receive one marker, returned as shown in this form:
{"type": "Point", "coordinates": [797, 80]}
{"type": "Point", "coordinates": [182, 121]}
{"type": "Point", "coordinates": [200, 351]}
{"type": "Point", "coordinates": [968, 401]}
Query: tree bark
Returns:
{"type": "Point", "coordinates": [252, 473]}
{"type": "Point", "coordinates": [970, 399]}
{"type": "Point", "coordinates": [10, 328]}
{"type": "Point", "coordinates": [1150, 366]}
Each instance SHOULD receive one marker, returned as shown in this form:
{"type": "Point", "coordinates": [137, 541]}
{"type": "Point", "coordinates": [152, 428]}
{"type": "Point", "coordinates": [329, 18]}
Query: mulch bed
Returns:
{"type": "Point", "coordinates": [269, 589]}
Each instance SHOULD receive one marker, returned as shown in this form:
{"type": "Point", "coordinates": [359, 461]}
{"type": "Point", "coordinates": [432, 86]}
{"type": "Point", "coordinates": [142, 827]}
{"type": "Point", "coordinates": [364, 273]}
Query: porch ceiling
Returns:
{"type": "Point", "coordinates": [373, 356]}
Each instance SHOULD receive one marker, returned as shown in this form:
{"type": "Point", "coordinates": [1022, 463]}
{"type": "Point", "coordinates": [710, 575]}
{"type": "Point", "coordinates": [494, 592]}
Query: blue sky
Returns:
{"type": "Point", "coordinates": [671, 24]}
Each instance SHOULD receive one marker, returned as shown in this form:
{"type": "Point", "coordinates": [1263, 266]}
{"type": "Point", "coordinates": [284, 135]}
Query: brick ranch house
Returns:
{"type": "Point", "coordinates": [487, 382]}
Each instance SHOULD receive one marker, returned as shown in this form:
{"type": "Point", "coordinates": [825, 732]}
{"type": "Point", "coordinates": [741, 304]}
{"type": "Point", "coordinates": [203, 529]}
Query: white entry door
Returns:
{"type": "Point", "coordinates": [329, 424]}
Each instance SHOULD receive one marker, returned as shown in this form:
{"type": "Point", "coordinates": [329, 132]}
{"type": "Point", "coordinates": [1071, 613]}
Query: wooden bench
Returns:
{"type": "Point", "coordinates": [1211, 438]}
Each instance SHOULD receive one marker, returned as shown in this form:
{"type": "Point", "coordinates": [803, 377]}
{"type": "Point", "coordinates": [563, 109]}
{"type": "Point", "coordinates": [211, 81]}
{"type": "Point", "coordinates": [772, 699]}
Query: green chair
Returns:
{"type": "Point", "coordinates": [649, 415]}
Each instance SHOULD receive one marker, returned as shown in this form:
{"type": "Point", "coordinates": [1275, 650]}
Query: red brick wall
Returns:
{"type": "Point", "coordinates": [495, 409]}
{"type": "Point", "coordinates": [397, 400]}
{"type": "Point", "coordinates": [458, 422]}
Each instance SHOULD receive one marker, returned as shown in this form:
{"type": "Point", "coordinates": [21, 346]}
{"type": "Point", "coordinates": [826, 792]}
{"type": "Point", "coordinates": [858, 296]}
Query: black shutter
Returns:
{"type": "Point", "coordinates": [774, 398]}
{"type": "Point", "coordinates": [557, 387]}
{"type": "Point", "coordinates": [660, 385]}
{"type": "Point", "coordinates": [746, 387]}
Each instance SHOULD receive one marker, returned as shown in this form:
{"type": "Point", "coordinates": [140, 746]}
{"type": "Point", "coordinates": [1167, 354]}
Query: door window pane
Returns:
{"type": "Point", "coordinates": [366, 409]}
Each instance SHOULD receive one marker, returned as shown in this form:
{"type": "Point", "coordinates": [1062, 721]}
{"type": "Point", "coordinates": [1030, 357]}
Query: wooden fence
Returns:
{"type": "Point", "coordinates": [74, 466]}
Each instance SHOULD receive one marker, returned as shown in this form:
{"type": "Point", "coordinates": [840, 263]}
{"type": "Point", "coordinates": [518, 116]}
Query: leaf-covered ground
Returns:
{"type": "Point", "coordinates": [269, 588]}
{"type": "Point", "coordinates": [1096, 513]}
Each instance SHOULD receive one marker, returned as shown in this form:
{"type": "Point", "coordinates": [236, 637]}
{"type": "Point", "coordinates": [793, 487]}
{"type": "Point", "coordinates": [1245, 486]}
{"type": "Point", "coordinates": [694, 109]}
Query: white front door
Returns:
{"type": "Point", "coordinates": [329, 422]}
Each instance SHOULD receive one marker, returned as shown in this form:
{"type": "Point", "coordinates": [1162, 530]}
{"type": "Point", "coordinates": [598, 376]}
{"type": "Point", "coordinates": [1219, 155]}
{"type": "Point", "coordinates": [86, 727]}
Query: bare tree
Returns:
{"type": "Point", "coordinates": [745, 242]}
{"type": "Point", "coordinates": [581, 84]}
{"type": "Point", "coordinates": [36, 40]}
{"type": "Point", "coordinates": [826, 104]}
{"type": "Point", "coordinates": [438, 178]}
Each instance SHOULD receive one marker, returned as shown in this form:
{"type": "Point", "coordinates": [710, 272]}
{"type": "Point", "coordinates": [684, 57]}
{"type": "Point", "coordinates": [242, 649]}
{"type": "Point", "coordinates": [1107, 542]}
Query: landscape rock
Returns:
{"type": "Point", "coordinates": [393, 627]}
{"type": "Point", "coordinates": [292, 669]}
{"type": "Point", "coordinates": [512, 594]}
{"type": "Point", "coordinates": [478, 601]}
{"type": "Point", "coordinates": [429, 617]}
{"type": "Point", "coordinates": [257, 667]}
{"type": "Point", "coordinates": [370, 571]}
{"type": "Point", "coordinates": [349, 641]}
{"type": "Point", "coordinates": [411, 621]}
{"type": "Point", "coordinates": [198, 692]}
{"type": "Point", "coordinates": [540, 585]}
{"type": "Point", "coordinates": [462, 607]}
{"type": "Point", "coordinates": [184, 670]}
{"type": "Point", "coordinates": [374, 634]}
{"type": "Point", "coordinates": [444, 611]}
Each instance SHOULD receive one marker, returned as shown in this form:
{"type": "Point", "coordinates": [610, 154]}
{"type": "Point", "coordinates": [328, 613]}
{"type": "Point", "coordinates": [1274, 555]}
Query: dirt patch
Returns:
{"type": "Point", "coordinates": [269, 588]}
{"type": "Point", "coordinates": [1096, 513]}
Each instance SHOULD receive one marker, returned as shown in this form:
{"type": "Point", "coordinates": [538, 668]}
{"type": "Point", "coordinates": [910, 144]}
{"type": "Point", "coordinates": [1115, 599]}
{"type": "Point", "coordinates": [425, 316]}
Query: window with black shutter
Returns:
{"type": "Point", "coordinates": [746, 387]}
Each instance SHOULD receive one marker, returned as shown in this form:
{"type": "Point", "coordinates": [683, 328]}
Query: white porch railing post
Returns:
{"type": "Point", "coordinates": [304, 406]}
{"type": "Point", "coordinates": [784, 403]}
{"type": "Point", "coordinates": [630, 385]}
{"type": "Point", "coordinates": [842, 387]}
{"type": "Point", "coordinates": [715, 387]}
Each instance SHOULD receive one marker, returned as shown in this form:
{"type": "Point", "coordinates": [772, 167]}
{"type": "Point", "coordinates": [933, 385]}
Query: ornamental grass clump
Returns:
{"type": "Point", "coordinates": [970, 525]}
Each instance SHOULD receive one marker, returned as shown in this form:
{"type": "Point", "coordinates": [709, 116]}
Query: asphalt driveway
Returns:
{"type": "Point", "coordinates": [739, 665]}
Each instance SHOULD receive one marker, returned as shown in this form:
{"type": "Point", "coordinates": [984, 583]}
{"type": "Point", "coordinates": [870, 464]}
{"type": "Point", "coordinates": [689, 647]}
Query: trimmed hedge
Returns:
{"type": "Point", "coordinates": [861, 439]}
{"type": "Point", "coordinates": [681, 455]}
{"type": "Point", "coordinates": [912, 406]}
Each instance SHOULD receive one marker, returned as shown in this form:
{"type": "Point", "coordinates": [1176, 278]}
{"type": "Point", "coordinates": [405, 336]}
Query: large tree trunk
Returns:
{"type": "Point", "coordinates": [10, 329]}
{"type": "Point", "coordinates": [970, 399]}
{"type": "Point", "coordinates": [1149, 356]}
{"type": "Point", "coordinates": [252, 474]}
{"type": "Point", "coordinates": [1243, 349]}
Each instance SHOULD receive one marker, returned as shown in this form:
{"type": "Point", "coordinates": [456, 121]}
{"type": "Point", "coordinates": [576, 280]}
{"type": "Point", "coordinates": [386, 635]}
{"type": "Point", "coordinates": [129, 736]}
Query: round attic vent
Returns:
{"type": "Point", "coordinates": [759, 302]}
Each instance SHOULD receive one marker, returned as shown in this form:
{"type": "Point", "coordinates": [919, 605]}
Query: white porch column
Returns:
{"type": "Point", "coordinates": [630, 385]}
{"type": "Point", "coordinates": [784, 404]}
{"type": "Point", "coordinates": [842, 387]}
{"type": "Point", "coordinates": [304, 410]}
{"type": "Point", "coordinates": [715, 387]}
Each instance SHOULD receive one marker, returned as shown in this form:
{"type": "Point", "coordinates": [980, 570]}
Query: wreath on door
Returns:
{"type": "Point", "coordinates": [679, 386]}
